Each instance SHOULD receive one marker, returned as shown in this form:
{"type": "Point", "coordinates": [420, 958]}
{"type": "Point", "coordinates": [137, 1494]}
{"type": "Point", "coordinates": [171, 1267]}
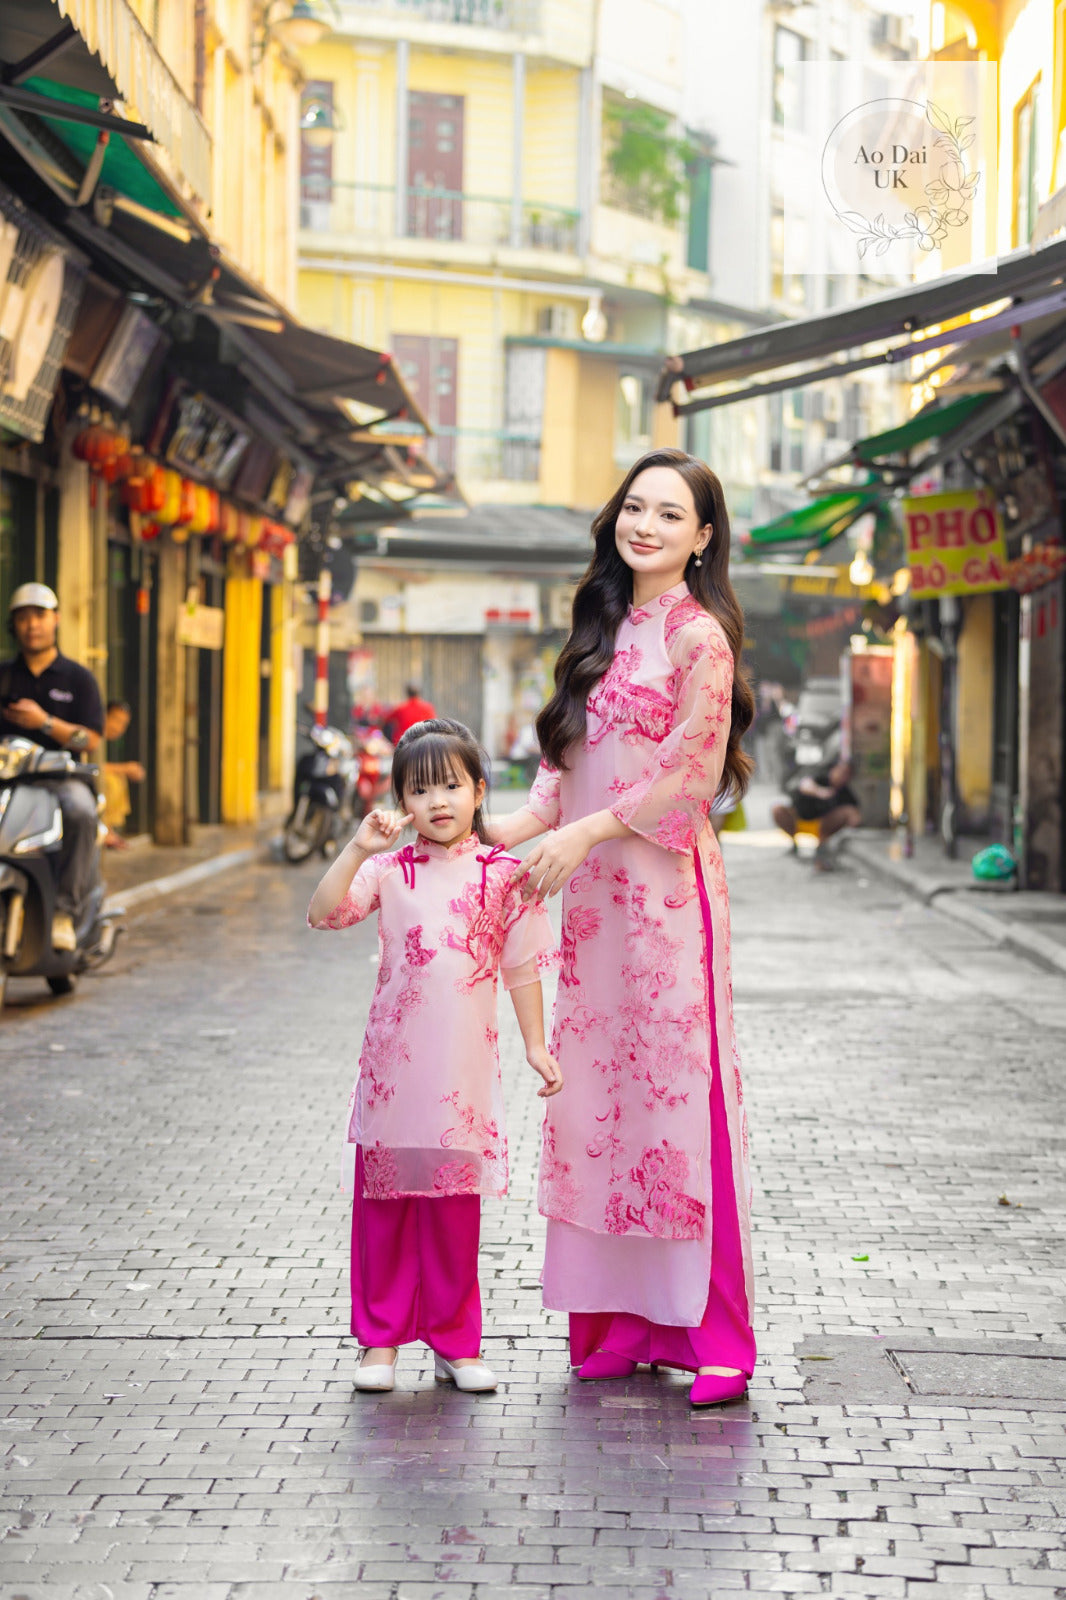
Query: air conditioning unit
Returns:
{"type": "Point", "coordinates": [557, 322]}
{"type": "Point", "coordinates": [892, 30]}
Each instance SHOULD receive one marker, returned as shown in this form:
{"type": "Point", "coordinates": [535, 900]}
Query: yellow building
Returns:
{"type": "Point", "coordinates": [1027, 41]}
{"type": "Point", "coordinates": [462, 205]}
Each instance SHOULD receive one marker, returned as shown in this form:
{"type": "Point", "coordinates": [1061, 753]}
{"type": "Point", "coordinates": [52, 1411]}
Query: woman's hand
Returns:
{"type": "Point", "coordinates": [550, 863]}
{"type": "Point", "coordinates": [541, 1060]}
{"type": "Point", "coordinates": [379, 830]}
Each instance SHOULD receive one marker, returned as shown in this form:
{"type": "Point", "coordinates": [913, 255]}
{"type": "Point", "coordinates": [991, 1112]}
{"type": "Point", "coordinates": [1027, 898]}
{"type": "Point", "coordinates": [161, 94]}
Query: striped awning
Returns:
{"type": "Point", "coordinates": [148, 88]}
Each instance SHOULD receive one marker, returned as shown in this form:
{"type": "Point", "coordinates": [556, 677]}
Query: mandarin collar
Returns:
{"type": "Point", "coordinates": [662, 602]}
{"type": "Point", "coordinates": [443, 852]}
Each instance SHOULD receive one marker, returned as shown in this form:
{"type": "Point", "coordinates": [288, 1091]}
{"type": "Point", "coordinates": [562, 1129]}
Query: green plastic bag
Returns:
{"type": "Point", "coordinates": [994, 864]}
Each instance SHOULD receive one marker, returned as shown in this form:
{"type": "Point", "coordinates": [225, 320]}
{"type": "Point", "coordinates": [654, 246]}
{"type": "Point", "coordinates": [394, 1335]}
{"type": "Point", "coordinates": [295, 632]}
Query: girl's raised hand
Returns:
{"type": "Point", "coordinates": [541, 1060]}
{"type": "Point", "coordinates": [379, 830]}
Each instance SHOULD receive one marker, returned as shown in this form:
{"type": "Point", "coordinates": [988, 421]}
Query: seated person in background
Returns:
{"type": "Point", "coordinates": [115, 776]}
{"type": "Point", "coordinates": [823, 797]}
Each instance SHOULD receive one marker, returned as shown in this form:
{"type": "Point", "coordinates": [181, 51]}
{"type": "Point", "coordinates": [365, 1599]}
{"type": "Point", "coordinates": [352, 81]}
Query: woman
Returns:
{"type": "Point", "coordinates": [644, 1171]}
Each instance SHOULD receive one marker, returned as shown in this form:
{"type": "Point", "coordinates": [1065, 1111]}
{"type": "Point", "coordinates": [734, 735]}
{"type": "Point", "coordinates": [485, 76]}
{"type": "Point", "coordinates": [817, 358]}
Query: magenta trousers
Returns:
{"type": "Point", "coordinates": [414, 1271]}
{"type": "Point", "coordinates": [724, 1337]}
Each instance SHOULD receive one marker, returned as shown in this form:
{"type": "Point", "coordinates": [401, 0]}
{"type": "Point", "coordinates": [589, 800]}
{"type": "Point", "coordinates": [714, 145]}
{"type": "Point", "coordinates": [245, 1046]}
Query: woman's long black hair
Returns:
{"type": "Point", "coordinates": [604, 595]}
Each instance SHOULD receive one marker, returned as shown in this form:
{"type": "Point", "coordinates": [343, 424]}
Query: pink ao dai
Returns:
{"type": "Point", "coordinates": [625, 1172]}
{"type": "Point", "coordinates": [427, 1107]}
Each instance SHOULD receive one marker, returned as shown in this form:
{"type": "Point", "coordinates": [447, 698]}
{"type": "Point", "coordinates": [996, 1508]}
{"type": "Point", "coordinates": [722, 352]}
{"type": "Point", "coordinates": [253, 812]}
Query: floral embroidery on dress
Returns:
{"type": "Point", "coordinates": [414, 953]}
{"type": "Point", "coordinates": [479, 928]}
{"type": "Point", "coordinates": [457, 1177]}
{"type": "Point", "coordinates": [579, 922]}
{"type": "Point", "coordinates": [627, 708]}
{"type": "Point", "coordinates": [655, 1201]}
{"type": "Point", "coordinates": [380, 1173]}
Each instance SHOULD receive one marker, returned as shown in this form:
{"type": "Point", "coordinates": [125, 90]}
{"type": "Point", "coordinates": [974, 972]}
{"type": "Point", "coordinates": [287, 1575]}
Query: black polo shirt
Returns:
{"type": "Point", "coordinates": [65, 689]}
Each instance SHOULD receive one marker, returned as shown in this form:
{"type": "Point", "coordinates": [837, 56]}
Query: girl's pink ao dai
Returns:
{"type": "Point", "coordinates": [427, 1107]}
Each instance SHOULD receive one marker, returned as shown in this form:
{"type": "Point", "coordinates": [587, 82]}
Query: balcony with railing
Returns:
{"type": "Point", "coordinates": [485, 455]}
{"type": "Point", "coordinates": [368, 214]}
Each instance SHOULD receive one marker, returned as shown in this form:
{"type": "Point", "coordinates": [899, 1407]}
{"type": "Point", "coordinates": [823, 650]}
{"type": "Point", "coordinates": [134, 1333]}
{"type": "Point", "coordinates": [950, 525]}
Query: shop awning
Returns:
{"type": "Point", "coordinates": [100, 48]}
{"type": "Point", "coordinates": [1032, 284]}
{"type": "Point", "coordinates": [932, 423]}
{"type": "Point", "coordinates": [818, 524]}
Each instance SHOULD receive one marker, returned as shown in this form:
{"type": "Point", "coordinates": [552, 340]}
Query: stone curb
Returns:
{"type": "Point", "coordinates": [952, 902]}
{"type": "Point", "coordinates": [157, 888]}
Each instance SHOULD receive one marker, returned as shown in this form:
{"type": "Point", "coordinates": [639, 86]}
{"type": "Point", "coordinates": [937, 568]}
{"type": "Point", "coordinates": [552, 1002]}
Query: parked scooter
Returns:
{"type": "Point", "coordinates": [31, 839]}
{"type": "Point", "coordinates": [323, 795]}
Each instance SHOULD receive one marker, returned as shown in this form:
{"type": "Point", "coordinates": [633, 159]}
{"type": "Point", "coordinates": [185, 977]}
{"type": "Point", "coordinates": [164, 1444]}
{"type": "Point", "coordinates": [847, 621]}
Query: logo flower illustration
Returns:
{"type": "Point", "coordinates": [949, 194]}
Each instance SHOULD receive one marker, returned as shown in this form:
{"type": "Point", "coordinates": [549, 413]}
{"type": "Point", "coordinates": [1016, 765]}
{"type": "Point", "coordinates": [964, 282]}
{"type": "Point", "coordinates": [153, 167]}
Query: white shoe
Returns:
{"type": "Point", "coordinates": [63, 934]}
{"type": "Point", "coordinates": [473, 1377]}
{"type": "Point", "coordinates": [379, 1378]}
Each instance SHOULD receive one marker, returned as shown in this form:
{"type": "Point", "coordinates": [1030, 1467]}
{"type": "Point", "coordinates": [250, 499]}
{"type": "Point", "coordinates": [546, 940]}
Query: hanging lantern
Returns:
{"type": "Point", "coordinates": [170, 503]}
{"type": "Point", "coordinates": [230, 522]}
{"type": "Point", "coordinates": [200, 521]}
{"type": "Point", "coordinates": [186, 503]}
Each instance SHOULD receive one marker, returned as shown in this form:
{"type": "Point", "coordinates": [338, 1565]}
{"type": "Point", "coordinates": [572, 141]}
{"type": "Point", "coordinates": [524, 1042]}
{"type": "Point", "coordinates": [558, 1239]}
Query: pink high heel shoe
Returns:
{"type": "Point", "coordinates": [605, 1364]}
{"type": "Point", "coordinates": [716, 1389]}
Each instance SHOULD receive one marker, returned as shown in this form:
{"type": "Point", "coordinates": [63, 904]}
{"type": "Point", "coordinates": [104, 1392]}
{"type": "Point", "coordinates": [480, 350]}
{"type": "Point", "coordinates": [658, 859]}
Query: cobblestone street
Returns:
{"type": "Point", "coordinates": [178, 1412]}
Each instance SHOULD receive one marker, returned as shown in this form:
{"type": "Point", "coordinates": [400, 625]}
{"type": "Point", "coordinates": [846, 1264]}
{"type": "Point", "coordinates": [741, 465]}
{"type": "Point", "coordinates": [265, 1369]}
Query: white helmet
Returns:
{"type": "Point", "coordinates": [34, 594]}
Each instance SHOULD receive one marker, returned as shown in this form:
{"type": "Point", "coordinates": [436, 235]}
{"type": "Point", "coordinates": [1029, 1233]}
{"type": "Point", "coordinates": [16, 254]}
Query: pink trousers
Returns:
{"type": "Point", "coordinates": [724, 1337]}
{"type": "Point", "coordinates": [414, 1271]}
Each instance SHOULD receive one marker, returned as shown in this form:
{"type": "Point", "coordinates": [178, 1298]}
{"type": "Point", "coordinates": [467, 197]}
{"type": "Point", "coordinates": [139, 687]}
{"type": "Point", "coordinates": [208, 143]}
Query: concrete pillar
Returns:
{"type": "Point", "coordinates": [518, 117]}
{"type": "Point", "coordinates": [403, 56]}
{"type": "Point", "coordinates": [170, 825]}
{"type": "Point", "coordinates": [588, 149]}
{"type": "Point", "coordinates": [75, 575]}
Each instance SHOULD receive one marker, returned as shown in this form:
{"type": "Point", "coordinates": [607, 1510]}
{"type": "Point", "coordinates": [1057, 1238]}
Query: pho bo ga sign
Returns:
{"type": "Point", "coordinates": [954, 544]}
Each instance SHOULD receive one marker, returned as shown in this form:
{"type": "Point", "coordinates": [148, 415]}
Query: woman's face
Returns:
{"type": "Point", "coordinates": [657, 530]}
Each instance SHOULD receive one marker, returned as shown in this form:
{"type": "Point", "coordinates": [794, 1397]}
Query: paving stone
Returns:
{"type": "Point", "coordinates": [177, 1415]}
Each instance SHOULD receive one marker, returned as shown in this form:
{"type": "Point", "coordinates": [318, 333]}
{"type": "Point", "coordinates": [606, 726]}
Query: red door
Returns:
{"type": "Point", "coordinates": [435, 166]}
{"type": "Point", "coordinates": [430, 368]}
{"type": "Point", "coordinates": [316, 159]}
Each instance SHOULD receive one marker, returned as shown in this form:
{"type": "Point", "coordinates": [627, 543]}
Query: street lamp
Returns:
{"type": "Point", "coordinates": [319, 121]}
{"type": "Point", "coordinates": [296, 24]}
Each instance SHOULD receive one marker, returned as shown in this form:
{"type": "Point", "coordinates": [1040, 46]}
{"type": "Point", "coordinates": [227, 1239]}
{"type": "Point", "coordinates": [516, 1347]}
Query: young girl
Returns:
{"type": "Point", "coordinates": [426, 1117]}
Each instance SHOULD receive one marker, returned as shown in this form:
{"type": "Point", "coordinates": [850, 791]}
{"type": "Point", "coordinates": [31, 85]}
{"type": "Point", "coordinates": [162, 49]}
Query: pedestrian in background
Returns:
{"type": "Point", "coordinates": [425, 1121]}
{"type": "Point", "coordinates": [825, 797]}
{"type": "Point", "coordinates": [407, 713]}
{"type": "Point", "coordinates": [116, 776]}
{"type": "Point", "coordinates": [644, 1179]}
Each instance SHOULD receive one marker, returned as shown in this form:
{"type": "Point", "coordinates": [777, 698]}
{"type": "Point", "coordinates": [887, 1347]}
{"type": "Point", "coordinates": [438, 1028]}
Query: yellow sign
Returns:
{"type": "Point", "coordinates": [954, 544]}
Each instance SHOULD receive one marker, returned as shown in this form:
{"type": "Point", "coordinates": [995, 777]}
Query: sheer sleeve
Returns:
{"type": "Point", "coordinates": [544, 796]}
{"type": "Point", "coordinates": [362, 899]}
{"type": "Point", "coordinates": [671, 800]}
{"type": "Point", "coordinates": [528, 946]}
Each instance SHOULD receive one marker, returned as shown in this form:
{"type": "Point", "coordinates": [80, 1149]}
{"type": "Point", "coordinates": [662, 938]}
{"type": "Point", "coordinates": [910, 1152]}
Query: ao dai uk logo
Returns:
{"type": "Point", "coordinates": [898, 174]}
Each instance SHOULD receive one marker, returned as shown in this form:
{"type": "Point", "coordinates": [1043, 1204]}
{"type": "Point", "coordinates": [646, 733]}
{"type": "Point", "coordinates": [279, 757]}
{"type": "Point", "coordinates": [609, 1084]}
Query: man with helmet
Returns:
{"type": "Point", "coordinates": [46, 697]}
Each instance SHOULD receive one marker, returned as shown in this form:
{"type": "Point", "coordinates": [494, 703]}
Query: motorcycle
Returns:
{"type": "Point", "coordinates": [31, 839]}
{"type": "Point", "coordinates": [323, 795]}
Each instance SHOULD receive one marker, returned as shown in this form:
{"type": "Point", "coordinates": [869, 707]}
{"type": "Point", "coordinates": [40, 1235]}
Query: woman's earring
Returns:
{"type": "Point", "coordinates": [699, 558]}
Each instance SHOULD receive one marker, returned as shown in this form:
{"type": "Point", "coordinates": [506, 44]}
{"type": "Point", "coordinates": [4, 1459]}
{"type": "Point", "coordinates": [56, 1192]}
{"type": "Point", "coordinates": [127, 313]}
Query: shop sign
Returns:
{"type": "Point", "coordinates": [133, 343]}
{"type": "Point", "coordinates": [203, 627]}
{"type": "Point", "coordinates": [954, 544]}
{"type": "Point", "coordinates": [197, 436]}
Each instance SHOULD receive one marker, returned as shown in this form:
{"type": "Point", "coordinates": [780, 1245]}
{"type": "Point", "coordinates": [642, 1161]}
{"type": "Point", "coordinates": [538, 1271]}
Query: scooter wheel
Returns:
{"type": "Point", "coordinates": [65, 984]}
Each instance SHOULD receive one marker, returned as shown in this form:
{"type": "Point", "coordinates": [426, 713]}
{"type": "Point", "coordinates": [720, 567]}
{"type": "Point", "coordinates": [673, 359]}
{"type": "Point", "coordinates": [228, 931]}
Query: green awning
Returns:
{"type": "Point", "coordinates": [122, 170]}
{"type": "Point", "coordinates": [932, 423]}
{"type": "Point", "coordinates": [819, 523]}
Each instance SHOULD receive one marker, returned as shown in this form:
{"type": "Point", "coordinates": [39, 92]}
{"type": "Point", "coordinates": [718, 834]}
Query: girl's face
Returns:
{"type": "Point", "coordinates": [444, 811]}
{"type": "Point", "coordinates": [657, 531]}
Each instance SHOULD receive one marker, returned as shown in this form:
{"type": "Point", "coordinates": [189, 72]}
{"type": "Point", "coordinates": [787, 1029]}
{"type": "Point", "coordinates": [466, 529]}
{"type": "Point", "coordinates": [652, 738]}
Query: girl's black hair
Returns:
{"type": "Point", "coordinates": [431, 752]}
{"type": "Point", "coordinates": [603, 597]}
